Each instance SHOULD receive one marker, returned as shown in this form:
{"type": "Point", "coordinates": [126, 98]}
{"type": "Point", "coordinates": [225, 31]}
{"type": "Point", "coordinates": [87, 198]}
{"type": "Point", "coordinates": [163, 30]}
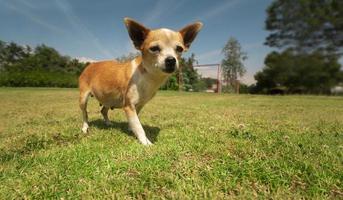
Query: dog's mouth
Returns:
{"type": "Point", "coordinates": [169, 69]}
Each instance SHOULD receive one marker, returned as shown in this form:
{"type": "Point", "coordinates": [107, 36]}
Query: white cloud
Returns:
{"type": "Point", "coordinates": [212, 56]}
{"type": "Point", "coordinates": [67, 10]}
{"type": "Point", "coordinates": [155, 14]}
{"type": "Point", "coordinates": [129, 48]}
{"type": "Point", "coordinates": [256, 53]}
{"type": "Point", "coordinates": [250, 46]}
{"type": "Point", "coordinates": [217, 10]}
{"type": "Point", "coordinates": [161, 9]}
{"type": "Point", "coordinates": [85, 60]}
{"type": "Point", "coordinates": [29, 4]}
{"type": "Point", "coordinates": [27, 12]}
{"type": "Point", "coordinates": [211, 72]}
{"type": "Point", "coordinates": [248, 78]}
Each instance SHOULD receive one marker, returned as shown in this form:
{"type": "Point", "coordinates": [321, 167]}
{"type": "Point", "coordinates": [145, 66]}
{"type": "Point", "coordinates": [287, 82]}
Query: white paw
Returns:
{"type": "Point", "coordinates": [146, 142]}
{"type": "Point", "coordinates": [149, 143]}
{"type": "Point", "coordinates": [85, 128]}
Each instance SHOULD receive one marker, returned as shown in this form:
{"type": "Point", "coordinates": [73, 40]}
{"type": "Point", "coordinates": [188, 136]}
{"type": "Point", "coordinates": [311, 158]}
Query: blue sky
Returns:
{"type": "Point", "coordinates": [95, 29]}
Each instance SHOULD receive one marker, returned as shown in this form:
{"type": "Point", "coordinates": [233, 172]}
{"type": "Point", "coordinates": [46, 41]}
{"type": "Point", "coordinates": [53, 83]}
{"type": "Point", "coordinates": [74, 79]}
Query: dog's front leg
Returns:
{"type": "Point", "coordinates": [136, 125]}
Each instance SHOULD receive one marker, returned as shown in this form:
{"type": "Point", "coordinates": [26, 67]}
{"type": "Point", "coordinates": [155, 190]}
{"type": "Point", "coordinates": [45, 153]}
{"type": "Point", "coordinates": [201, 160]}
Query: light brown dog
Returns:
{"type": "Point", "coordinates": [131, 85]}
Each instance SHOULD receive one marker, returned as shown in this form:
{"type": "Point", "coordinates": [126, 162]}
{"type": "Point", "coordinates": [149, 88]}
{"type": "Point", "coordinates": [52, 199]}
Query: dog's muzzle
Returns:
{"type": "Point", "coordinates": [170, 64]}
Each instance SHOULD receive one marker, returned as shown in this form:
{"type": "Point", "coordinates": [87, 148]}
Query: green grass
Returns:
{"type": "Point", "coordinates": [206, 146]}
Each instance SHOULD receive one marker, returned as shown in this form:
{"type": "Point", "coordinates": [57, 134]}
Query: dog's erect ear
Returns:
{"type": "Point", "coordinates": [136, 31]}
{"type": "Point", "coordinates": [189, 33]}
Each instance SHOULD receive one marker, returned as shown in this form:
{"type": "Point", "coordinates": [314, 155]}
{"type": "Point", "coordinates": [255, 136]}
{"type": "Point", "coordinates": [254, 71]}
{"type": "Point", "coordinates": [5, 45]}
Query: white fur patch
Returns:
{"type": "Point", "coordinates": [133, 66]}
{"type": "Point", "coordinates": [85, 127]}
{"type": "Point", "coordinates": [133, 94]}
{"type": "Point", "coordinates": [138, 130]}
{"type": "Point", "coordinates": [168, 32]}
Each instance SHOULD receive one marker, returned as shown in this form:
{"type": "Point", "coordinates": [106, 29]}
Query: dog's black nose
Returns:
{"type": "Point", "coordinates": [170, 63]}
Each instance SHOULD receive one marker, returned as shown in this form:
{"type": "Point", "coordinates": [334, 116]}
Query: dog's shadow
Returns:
{"type": "Point", "coordinates": [151, 131]}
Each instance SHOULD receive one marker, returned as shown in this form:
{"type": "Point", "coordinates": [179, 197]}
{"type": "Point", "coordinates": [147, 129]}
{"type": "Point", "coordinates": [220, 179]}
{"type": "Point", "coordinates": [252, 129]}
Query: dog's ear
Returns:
{"type": "Point", "coordinates": [189, 33]}
{"type": "Point", "coordinates": [136, 31]}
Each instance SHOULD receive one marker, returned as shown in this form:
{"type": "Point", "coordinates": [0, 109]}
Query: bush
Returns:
{"type": "Point", "coordinates": [37, 78]}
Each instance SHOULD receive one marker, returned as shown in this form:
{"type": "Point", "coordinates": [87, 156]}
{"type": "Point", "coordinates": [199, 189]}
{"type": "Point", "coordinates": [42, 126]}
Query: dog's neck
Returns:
{"type": "Point", "coordinates": [158, 78]}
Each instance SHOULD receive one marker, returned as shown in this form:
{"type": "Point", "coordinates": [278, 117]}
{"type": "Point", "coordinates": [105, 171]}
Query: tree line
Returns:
{"type": "Point", "coordinates": [41, 66]}
{"type": "Point", "coordinates": [44, 66]}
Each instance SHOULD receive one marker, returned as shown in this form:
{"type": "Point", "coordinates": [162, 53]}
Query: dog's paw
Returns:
{"type": "Point", "coordinates": [85, 128]}
{"type": "Point", "coordinates": [146, 142]}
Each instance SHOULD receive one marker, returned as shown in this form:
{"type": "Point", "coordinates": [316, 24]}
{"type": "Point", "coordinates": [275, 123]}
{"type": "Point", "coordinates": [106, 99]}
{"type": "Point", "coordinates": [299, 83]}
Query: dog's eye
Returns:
{"type": "Point", "coordinates": [155, 49]}
{"type": "Point", "coordinates": [179, 49]}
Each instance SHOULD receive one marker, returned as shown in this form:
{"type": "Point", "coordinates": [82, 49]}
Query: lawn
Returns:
{"type": "Point", "coordinates": [206, 146]}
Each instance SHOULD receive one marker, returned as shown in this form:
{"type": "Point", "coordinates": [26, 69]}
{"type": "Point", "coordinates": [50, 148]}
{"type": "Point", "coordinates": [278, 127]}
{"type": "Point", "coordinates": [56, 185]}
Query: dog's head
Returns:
{"type": "Point", "coordinates": [161, 48]}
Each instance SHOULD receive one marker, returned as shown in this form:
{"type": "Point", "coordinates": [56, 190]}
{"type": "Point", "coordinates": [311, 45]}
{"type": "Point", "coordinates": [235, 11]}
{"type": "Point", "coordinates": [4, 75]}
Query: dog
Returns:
{"type": "Point", "coordinates": [132, 84]}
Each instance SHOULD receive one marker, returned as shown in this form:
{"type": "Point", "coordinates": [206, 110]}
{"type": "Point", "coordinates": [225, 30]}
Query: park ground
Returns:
{"type": "Point", "coordinates": [206, 146]}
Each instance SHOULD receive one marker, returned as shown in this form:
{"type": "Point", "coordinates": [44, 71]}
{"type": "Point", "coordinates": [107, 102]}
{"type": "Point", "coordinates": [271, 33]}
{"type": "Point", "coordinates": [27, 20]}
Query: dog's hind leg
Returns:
{"type": "Point", "coordinates": [83, 106]}
{"type": "Point", "coordinates": [104, 112]}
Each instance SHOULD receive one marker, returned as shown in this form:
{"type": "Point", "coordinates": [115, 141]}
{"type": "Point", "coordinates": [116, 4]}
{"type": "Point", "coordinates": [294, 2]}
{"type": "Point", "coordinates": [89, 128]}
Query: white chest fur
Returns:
{"type": "Point", "coordinates": [143, 85]}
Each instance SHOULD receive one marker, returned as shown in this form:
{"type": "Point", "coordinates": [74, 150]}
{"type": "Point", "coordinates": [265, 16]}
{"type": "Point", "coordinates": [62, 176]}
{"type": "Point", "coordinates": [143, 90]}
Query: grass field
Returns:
{"type": "Point", "coordinates": [206, 146]}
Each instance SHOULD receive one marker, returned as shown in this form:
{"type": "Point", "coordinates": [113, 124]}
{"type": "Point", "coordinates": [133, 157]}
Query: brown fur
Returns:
{"type": "Point", "coordinates": [132, 84]}
{"type": "Point", "coordinates": [98, 79]}
{"type": "Point", "coordinates": [107, 79]}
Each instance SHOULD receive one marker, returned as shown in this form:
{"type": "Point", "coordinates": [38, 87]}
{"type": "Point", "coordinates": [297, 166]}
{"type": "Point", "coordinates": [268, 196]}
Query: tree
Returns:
{"type": "Point", "coordinates": [2, 54]}
{"type": "Point", "coordinates": [232, 64]}
{"type": "Point", "coordinates": [306, 25]}
{"type": "Point", "coordinates": [292, 72]}
{"type": "Point", "coordinates": [310, 35]}
{"type": "Point", "coordinates": [11, 53]}
{"type": "Point", "coordinates": [189, 76]}
{"type": "Point", "coordinates": [49, 58]}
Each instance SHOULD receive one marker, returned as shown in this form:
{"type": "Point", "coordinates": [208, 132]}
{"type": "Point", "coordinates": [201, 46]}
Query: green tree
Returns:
{"type": "Point", "coordinates": [293, 72]}
{"type": "Point", "coordinates": [232, 64]}
{"type": "Point", "coordinates": [190, 77]}
{"type": "Point", "coordinates": [309, 33]}
{"type": "Point", "coordinates": [306, 25]}
{"type": "Point", "coordinates": [2, 54]}
{"type": "Point", "coordinates": [12, 53]}
{"type": "Point", "coordinates": [49, 58]}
